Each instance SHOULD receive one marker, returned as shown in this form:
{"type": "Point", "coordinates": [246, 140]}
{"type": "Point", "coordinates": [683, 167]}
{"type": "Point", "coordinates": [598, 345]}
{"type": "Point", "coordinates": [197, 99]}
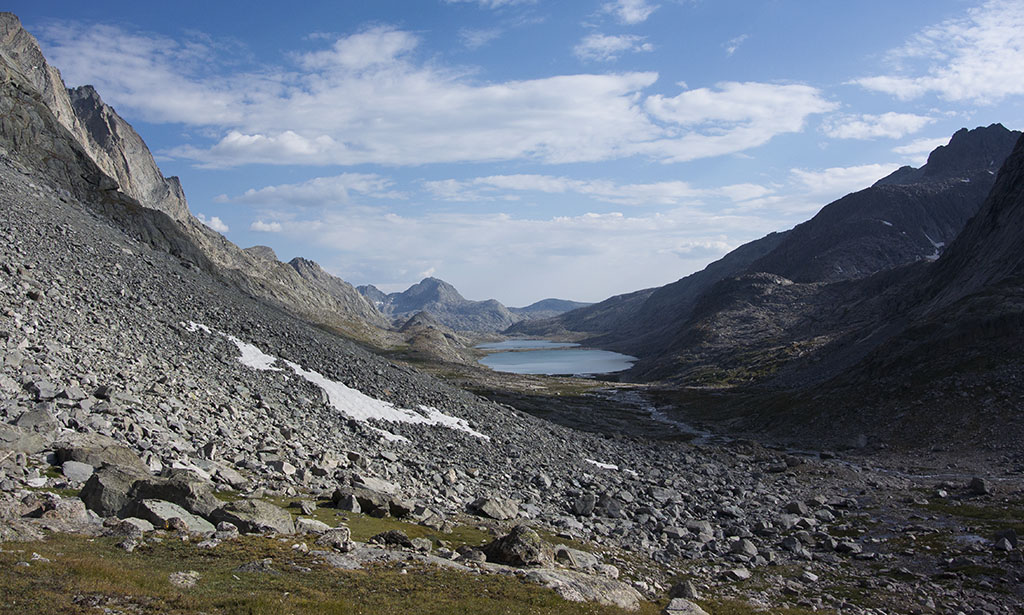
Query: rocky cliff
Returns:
{"type": "Point", "coordinates": [98, 156]}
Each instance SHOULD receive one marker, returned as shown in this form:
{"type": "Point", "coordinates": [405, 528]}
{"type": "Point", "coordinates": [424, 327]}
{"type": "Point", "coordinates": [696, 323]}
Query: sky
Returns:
{"type": "Point", "coordinates": [524, 149]}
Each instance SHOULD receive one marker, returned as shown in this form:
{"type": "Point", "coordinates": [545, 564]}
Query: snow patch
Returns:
{"type": "Point", "coordinates": [348, 401]}
{"type": "Point", "coordinates": [603, 466]}
{"type": "Point", "coordinates": [938, 245]}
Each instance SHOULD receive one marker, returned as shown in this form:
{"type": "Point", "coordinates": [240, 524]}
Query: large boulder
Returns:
{"type": "Point", "coordinates": [108, 492]}
{"type": "Point", "coordinates": [159, 513]}
{"type": "Point", "coordinates": [98, 450]}
{"type": "Point", "coordinates": [256, 516]}
{"type": "Point", "coordinates": [579, 587]}
{"type": "Point", "coordinates": [523, 546]}
{"type": "Point", "coordinates": [496, 508]}
{"type": "Point", "coordinates": [21, 440]}
{"type": "Point", "coordinates": [184, 488]}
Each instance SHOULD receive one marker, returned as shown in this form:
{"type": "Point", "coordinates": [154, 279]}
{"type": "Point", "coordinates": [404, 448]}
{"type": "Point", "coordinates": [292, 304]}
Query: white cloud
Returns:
{"type": "Point", "coordinates": [605, 48]}
{"type": "Point", "coordinates": [657, 193]}
{"type": "Point", "coordinates": [493, 4]}
{"type": "Point", "coordinates": [830, 184]}
{"type": "Point", "coordinates": [978, 58]}
{"type": "Point", "coordinates": [321, 191]}
{"type": "Point", "coordinates": [214, 222]}
{"type": "Point", "coordinates": [266, 227]}
{"type": "Point", "coordinates": [366, 99]}
{"type": "Point", "coordinates": [916, 152]}
{"type": "Point", "coordinates": [732, 118]}
{"type": "Point", "coordinates": [376, 47]}
{"type": "Point", "coordinates": [733, 44]}
{"type": "Point", "coordinates": [565, 256]}
{"type": "Point", "coordinates": [477, 38]}
{"type": "Point", "coordinates": [891, 125]}
{"type": "Point", "coordinates": [630, 11]}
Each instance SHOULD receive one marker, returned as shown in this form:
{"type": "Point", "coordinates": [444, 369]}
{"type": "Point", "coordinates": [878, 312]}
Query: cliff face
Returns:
{"type": "Point", "coordinates": [83, 145]}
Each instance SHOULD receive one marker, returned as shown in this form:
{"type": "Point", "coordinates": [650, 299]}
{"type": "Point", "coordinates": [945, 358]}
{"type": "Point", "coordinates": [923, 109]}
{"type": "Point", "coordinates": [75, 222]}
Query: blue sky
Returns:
{"type": "Point", "coordinates": [527, 149]}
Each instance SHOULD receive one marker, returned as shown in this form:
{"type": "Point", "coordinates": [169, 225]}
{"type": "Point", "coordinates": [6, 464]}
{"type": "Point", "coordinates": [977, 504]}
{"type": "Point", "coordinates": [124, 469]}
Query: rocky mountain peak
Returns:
{"type": "Point", "coordinates": [968, 152]}
{"type": "Point", "coordinates": [265, 253]}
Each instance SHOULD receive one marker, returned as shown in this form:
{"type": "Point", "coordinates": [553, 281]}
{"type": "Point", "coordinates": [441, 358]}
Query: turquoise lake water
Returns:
{"type": "Point", "coordinates": [558, 361]}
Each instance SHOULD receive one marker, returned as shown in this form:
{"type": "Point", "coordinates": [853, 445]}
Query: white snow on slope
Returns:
{"type": "Point", "coordinates": [348, 401]}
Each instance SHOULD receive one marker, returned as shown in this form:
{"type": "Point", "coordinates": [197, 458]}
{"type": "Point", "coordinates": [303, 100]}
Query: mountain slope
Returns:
{"type": "Point", "coordinates": [942, 353]}
{"type": "Point", "coordinates": [75, 134]}
{"type": "Point", "coordinates": [729, 322]}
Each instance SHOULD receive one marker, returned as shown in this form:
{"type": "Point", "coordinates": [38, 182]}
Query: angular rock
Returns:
{"type": "Point", "coordinates": [339, 538]}
{"type": "Point", "coordinates": [76, 471]}
{"type": "Point", "coordinates": [184, 488]}
{"type": "Point", "coordinates": [978, 486]}
{"type": "Point", "coordinates": [108, 491]}
{"type": "Point", "coordinates": [160, 513]}
{"type": "Point", "coordinates": [20, 440]}
{"type": "Point", "coordinates": [522, 547]}
{"type": "Point", "coordinates": [496, 508]}
{"type": "Point", "coordinates": [392, 538]}
{"type": "Point", "coordinates": [98, 450]}
{"type": "Point", "coordinates": [579, 587]}
{"type": "Point", "coordinates": [682, 606]}
{"type": "Point", "coordinates": [310, 526]}
{"type": "Point", "coordinates": [255, 516]}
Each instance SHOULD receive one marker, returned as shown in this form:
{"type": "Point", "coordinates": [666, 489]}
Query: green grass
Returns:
{"type": "Point", "coordinates": [1008, 515]}
{"type": "Point", "coordinates": [87, 573]}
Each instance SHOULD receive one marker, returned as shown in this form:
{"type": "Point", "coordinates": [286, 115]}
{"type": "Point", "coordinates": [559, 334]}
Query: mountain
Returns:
{"type": "Point", "coordinates": [757, 305]}
{"type": "Point", "coordinates": [928, 348]}
{"type": "Point", "coordinates": [546, 308]}
{"type": "Point", "coordinates": [442, 301]}
{"type": "Point", "coordinates": [103, 160]}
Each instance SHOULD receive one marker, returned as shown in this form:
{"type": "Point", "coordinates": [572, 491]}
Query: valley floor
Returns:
{"type": "Point", "coordinates": [100, 368]}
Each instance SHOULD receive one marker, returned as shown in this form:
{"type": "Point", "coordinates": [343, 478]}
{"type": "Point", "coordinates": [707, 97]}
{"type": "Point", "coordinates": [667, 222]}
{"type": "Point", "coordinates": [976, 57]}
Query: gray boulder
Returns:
{"type": "Point", "coordinates": [579, 587]}
{"type": "Point", "coordinates": [76, 471]}
{"type": "Point", "coordinates": [523, 546]}
{"type": "Point", "coordinates": [108, 492]}
{"type": "Point", "coordinates": [159, 513]}
{"type": "Point", "coordinates": [496, 508]}
{"type": "Point", "coordinates": [98, 450]}
{"type": "Point", "coordinates": [184, 488]}
{"type": "Point", "coordinates": [682, 606]}
{"type": "Point", "coordinates": [255, 516]}
{"type": "Point", "coordinates": [20, 440]}
{"type": "Point", "coordinates": [339, 538]}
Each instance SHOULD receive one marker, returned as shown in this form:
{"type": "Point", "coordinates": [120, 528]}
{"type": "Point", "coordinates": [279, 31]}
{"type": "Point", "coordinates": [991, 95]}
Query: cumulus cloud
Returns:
{"type": "Point", "coordinates": [367, 99]}
{"type": "Point", "coordinates": [657, 193]}
{"type": "Point", "coordinates": [891, 125]}
{"type": "Point", "coordinates": [214, 222]}
{"type": "Point", "coordinates": [605, 48]}
{"type": "Point", "coordinates": [266, 227]}
{"type": "Point", "coordinates": [832, 183]}
{"type": "Point", "coordinates": [630, 11]}
{"type": "Point", "coordinates": [978, 58]}
{"type": "Point", "coordinates": [730, 118]}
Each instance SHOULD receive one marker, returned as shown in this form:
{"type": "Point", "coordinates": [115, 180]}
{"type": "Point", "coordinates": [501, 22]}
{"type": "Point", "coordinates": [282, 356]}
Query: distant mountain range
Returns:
{"type": "Point", "coordinates": [443, 302]}
{"type": "Point", "coordinates": [694, 329]}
